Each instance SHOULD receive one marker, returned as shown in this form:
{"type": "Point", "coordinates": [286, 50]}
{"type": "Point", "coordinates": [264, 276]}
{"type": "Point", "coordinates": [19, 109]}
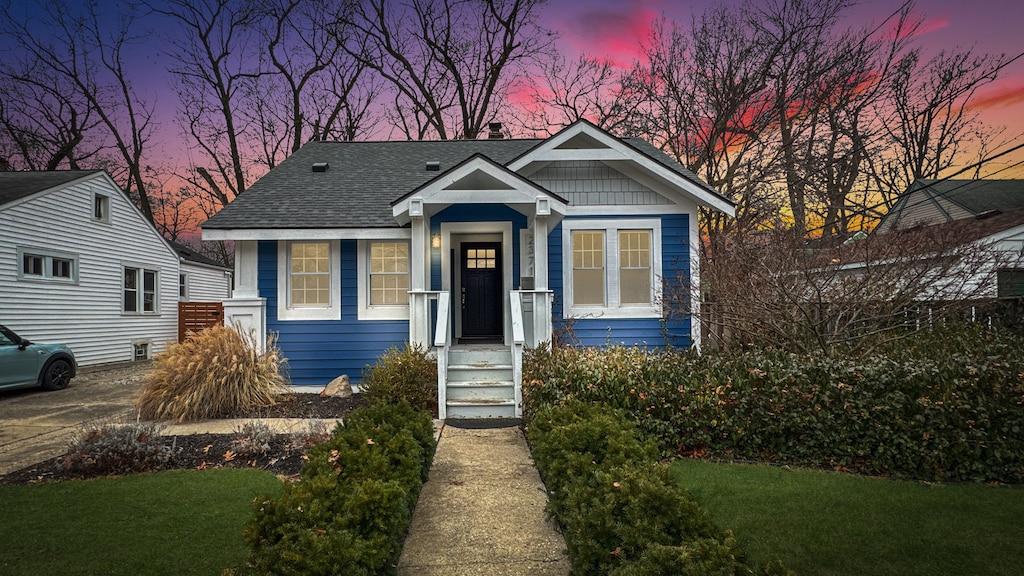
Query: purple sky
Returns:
{"type": "Point", "coordinates": [614, 28]}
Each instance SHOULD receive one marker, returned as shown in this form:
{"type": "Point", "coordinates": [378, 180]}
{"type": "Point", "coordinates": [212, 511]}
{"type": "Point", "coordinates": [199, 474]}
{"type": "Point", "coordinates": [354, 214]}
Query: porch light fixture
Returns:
{"type": "Point", "coordinates": [435, 241]}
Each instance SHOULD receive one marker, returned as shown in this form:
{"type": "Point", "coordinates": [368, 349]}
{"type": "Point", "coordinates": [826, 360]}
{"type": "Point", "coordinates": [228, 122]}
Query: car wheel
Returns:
{"type": "Point", "coordinates": [57, 375]}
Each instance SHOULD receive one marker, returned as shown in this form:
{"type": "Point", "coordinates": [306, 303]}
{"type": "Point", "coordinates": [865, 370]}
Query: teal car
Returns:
{"type": "Point", "coordinates": [25, 364]}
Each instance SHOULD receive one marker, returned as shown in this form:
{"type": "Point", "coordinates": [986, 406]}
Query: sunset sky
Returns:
{"type": "Point", "coordinates": [615, 28]}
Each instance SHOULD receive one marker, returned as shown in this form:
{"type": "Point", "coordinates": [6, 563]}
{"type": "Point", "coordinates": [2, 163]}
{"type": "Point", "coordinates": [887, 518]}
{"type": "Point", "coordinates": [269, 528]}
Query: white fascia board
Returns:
{"type": "Point", "coordinates": [307, 234]}
{"type": "Point", "coordinates": [618, 151]}
{"type": "Point", "coordinates": [437, 192]}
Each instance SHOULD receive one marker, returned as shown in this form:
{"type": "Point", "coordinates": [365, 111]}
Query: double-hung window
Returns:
{"type": "Point", "coordinates": [140, 291]}
{"type": "Point", "coordinates": [611, 267]}
{"type": "Point", "coordinates": [309, 278]}
{"type": "Point", "coordinates": [384, 279]}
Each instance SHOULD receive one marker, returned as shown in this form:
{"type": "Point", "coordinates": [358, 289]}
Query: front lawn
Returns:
{"type": "Point", "coordinates": [179, 522]}
{"type": "Point", "coordinates": [823, 523]}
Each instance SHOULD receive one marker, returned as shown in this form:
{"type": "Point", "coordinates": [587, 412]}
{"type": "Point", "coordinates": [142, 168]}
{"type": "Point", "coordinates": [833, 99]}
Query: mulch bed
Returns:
{"type": "Point", "coordinates": [204, 451]}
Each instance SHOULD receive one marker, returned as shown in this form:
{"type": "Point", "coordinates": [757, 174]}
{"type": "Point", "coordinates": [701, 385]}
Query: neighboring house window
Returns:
{"type": "Point", "coordinates": [384, 282]}
{"type": "Point", "coordinates": [101, 208]}
{"type": "Point", "coordinates": [49, 266]}
{"type": "Point", "coordinates": [611, 267]}
{"type": "Point", "coordinates": [183, 287]}
{"type": "Point", "coordinates": [140, 290]}
{"type": "Point", "coordinates": [309, 280]}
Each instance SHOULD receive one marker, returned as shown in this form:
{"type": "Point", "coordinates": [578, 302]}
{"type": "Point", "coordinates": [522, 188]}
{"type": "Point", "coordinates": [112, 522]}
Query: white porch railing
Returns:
{"type": "Point", "coordinates": [535, 315]}
{"type": "Point", "coordinates": [518, 343]}
{"type": "Point", "coordinates": [531, 325]}
{"type": "Point", "coordinates": [441, 339]}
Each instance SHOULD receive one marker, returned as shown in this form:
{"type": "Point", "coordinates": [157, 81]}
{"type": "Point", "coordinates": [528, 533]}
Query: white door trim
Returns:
{"type": "Point", "coordinates": [469, 232]}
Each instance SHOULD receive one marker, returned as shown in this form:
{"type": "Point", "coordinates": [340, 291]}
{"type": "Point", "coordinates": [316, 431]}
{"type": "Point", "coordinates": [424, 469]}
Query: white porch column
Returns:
{"type": "Point", "coordinates": [419, 262]}
{"type": "Point", "coordinates": [542, 298]}
{"type": "Point", "coordinates": [245, 311]}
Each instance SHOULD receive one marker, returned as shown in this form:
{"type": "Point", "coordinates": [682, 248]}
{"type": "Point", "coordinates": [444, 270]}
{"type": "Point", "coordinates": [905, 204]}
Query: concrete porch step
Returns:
{"type": "Point", "coordinates": [472, 408]}
{"type": "Point", "coordinates": [496, 390]}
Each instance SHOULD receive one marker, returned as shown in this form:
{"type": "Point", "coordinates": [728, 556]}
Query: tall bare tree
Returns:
{"type": "Point", "coordinates": [590, 88]}
{"type": "Point", "coordinates": [312, 89]}
{"type": "Point", "coordinates": [928, 121]}
{"type": "Point", "coordinates": [216, 46]}
{"type": "Point", "coordinates": [68, 83]}
{"type": "Point", "coordinates": [448, 63]}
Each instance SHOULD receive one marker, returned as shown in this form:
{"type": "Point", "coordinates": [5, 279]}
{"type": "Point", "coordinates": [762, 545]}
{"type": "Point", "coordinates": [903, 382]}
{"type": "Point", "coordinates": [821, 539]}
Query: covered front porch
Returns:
{"type": "Point", "coordinates": [479, 291]}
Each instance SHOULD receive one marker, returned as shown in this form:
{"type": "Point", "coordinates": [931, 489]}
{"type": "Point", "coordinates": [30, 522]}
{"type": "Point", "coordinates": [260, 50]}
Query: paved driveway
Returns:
{"type": "Point", "coordinates": [37, 425]}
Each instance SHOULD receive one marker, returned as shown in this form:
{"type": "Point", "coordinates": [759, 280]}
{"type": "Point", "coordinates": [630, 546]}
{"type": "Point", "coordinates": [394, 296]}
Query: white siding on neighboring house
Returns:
{"type": "Point", "coordinates": [86, 312]}
{"type": "Point", "coordinates": [205, 283]}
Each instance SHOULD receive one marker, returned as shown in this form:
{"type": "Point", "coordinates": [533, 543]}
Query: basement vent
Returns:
{"type": "Point", "coordinates": [141, 351]}
{"type": "Point", "coordinates": [433, 166]}
{"type": "Point", "coordinates": [320, 167]}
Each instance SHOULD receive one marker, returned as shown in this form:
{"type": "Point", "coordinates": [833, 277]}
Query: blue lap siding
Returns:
{"type": "Point", "coordinates": [320, 350]}
{"type": "Point", "coordinates": [673, 331]}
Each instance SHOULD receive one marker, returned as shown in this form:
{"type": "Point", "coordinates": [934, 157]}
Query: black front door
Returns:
{"type": "Point", "coordinates": [481, 290]}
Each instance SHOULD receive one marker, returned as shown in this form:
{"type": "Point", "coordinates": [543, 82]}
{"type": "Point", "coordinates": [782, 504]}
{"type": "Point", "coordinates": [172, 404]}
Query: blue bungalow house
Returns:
{"type": "Point", "coordinates": [471, 248]}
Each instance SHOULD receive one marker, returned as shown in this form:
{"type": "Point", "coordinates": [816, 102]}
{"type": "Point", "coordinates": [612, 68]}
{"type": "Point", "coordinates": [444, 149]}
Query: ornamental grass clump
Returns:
{"type": "Point", "coordinates": [214, 373]}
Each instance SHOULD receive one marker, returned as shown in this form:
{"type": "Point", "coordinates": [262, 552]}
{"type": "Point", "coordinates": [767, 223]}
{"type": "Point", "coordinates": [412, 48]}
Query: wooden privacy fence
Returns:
{"type": "Point", "coordinates": [195, 316]}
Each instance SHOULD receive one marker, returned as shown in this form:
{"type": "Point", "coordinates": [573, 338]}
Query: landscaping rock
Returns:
{"type": "Point", "coordinates": [339, 387]}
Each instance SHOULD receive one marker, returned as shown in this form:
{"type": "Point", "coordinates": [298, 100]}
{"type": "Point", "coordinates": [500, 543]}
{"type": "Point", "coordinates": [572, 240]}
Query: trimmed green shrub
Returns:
{"type": "Point", "coordinates": [616, 503]}
{"type": "Point", "coordinates": [403, 374]}
{"type": "Point", "coordinates": [355, 501]}
{"type": "Point", "coordinates": [943, 406]}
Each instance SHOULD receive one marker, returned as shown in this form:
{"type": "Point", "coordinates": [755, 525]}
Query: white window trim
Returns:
{"type": "Point", "coordinates": [183, 276]}
{"type": "Point", "coordinates": [612, 309]}
{"type": "Point", "coordinates": [47, 275]}
{"type": "Point", "coordinates": [378, 312]}
{"type": "Point", "coordinates": [286, 312]}
{"type": "Point", "coordinates": [139, 299]}
{"type": "Point", "coordinates": [105, 218]}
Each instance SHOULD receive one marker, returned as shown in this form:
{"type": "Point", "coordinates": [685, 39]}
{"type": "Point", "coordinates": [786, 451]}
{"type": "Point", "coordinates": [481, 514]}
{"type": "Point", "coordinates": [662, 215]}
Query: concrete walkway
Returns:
{"type": "Point", "coordinates": [482, 511]}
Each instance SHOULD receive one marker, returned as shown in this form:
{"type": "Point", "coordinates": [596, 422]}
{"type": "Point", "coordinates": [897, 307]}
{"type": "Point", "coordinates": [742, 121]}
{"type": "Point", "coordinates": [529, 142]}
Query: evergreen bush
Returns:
{"type": "Point", "coordinates": [353, 505]}
{"type": "Point", "coordinates": [406, 374]}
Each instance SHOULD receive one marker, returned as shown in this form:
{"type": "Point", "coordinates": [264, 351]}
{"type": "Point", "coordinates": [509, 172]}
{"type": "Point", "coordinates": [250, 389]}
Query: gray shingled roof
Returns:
{"type": "Point", "coordinates": [364, 178]}
{"type": "Point", "coordinates": [187, 254]}
{"type": "Point", "coordinates": [18, 185]}
{"type": "Point", "coordinates": [978, 196]}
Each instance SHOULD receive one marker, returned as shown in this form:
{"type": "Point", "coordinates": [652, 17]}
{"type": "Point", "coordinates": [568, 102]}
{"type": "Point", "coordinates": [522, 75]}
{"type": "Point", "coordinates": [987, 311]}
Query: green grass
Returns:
{"type": "Point", "coordinates": [820, 523]}
{"type": "Point", "coordinates": [180, 522]}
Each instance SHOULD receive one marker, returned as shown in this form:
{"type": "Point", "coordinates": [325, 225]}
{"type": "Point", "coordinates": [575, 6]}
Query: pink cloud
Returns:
{"type": "Point", "coordinates": [928, 25]}
{"type": "Point", "coordinates": [1001, 93]}
{"type": "Point", "coordinates": [610, 32]}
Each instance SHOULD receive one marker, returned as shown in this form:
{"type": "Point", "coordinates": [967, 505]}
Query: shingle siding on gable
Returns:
{"type": "Point", "coordinates": [592, 183]}
{"type": "Point", "coordinates": [675, 231]}
{"type": "Point", "coordinates": [320, 350]}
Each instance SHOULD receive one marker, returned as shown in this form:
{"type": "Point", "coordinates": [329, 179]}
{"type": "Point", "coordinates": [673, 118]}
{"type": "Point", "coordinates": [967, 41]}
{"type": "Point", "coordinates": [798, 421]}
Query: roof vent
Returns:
{"type": "Point", "coordinates": [494, 131]}
{"type": "Point", "coordinates": [320, 167]}
{"type": "Point", "coordinates": [433, 166]}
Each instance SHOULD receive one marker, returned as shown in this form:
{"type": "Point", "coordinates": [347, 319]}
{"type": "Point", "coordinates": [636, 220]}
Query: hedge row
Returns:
{"type": "Point", "coordinates": [352, 508]}
{"type": "Point", "coordinates": [619, 510]}
{"type": "Point", "coordinates": [945, 406]}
